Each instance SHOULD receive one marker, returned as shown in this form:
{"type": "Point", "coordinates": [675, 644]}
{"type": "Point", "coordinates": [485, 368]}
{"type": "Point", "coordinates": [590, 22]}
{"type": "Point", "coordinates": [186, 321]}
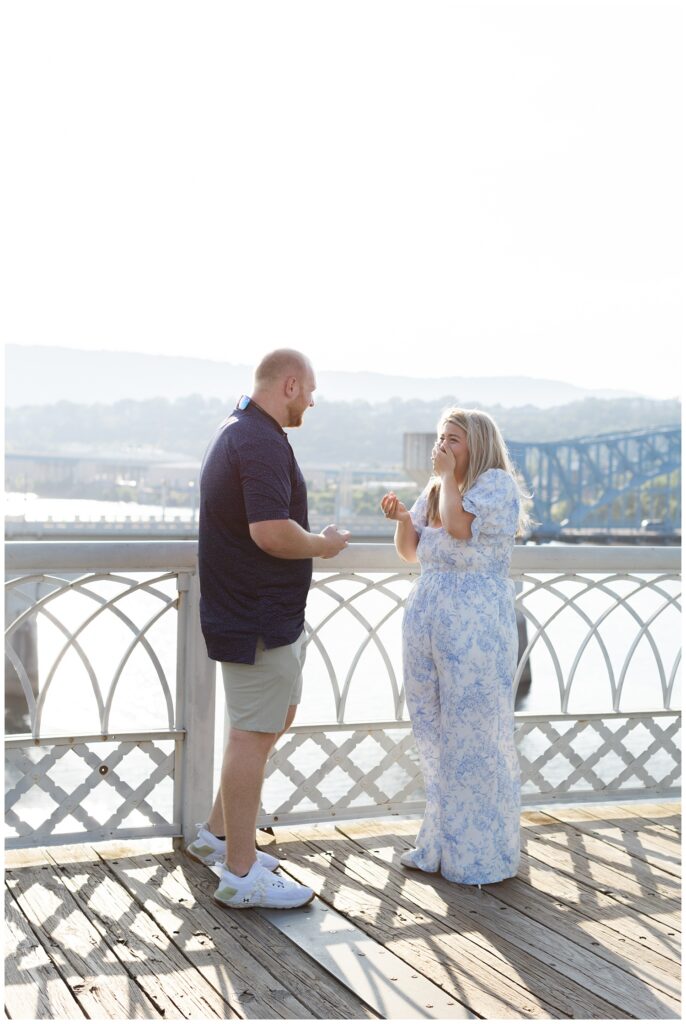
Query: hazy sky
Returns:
{"type": "Point", "coordinates": [417, 188]}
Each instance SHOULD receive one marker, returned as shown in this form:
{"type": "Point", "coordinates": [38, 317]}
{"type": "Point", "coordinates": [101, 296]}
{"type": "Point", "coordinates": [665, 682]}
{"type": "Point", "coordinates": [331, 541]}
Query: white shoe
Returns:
{"type": "Point", "coordinates": [209, 850]}
{"type": "Point", "coordinates": [260, 888]}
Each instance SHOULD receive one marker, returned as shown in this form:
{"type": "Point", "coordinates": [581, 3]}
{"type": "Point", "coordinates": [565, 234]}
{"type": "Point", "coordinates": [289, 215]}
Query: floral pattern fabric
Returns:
{"type": "Point", "coordinates": [459, 660]}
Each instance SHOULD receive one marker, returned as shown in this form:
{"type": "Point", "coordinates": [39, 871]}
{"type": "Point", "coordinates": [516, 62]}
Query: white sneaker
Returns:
{"type": "Point", "coordinates": [209, 850]}
{"type": "Point", "coordinates": [260, 888]}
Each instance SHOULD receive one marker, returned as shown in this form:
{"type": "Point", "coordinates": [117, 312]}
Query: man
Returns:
{"type": "Point", "coordinates": [255, 558]}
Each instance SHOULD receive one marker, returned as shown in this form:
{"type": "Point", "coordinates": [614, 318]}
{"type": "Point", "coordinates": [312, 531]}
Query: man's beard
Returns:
{"type": "Point", "coordinates": [295, 416]}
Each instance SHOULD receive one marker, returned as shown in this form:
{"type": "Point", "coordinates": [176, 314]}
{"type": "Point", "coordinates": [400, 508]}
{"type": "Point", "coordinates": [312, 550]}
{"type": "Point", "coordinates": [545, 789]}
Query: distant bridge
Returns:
{"type": "Point", "coordinates": [614, 481]}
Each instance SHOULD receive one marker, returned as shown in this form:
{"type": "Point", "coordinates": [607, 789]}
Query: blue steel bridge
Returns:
{"type": "Point", "coordinates": [591, 485]}
{"type": "Point", "coordinates": [604, 482]}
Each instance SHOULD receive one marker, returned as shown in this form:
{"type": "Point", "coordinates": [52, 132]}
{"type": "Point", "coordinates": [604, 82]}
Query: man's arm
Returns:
{"type": "Point", "coordinates": [284, 538]}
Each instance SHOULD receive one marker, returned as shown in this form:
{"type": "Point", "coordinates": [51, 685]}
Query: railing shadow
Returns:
{"type": "Point", "coordinates": [487, 916]}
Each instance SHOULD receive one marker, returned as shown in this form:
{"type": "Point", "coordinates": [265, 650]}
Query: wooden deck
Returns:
{"type": "Point", "coordinates": [590, 928]}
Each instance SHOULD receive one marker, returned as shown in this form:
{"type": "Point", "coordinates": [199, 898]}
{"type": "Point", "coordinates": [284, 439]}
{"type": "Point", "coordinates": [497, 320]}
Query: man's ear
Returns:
{"type": "Point", "coordinates": [291, 386]}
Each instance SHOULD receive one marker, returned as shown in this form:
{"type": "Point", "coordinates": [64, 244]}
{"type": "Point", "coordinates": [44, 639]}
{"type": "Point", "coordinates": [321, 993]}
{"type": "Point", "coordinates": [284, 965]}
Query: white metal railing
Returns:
{"type": "Point", "coordinates": [111, 694]}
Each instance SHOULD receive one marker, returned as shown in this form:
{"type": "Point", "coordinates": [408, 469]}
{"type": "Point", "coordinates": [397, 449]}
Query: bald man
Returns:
{"type": "Point", "coordinates": [255, 558]}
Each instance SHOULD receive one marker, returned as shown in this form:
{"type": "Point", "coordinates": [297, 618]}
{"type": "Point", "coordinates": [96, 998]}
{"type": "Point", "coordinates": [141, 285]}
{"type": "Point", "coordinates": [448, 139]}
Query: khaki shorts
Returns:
{"type": "Point", "coordinates": [258, 696]}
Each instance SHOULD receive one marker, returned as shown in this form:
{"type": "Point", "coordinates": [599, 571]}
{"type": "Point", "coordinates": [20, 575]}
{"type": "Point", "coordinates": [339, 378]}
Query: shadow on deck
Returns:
{"type": "Point", "coordinates": [589, 928]}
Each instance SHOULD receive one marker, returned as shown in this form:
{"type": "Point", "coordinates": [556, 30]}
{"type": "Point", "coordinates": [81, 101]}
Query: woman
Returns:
{"type": "Point", "coordinates": [460, 651]}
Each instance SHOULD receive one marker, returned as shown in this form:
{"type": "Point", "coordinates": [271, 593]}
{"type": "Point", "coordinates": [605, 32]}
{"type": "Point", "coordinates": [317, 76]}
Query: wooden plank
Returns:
{"type": "Point", "coordinates": [632, 820]}
{"type": "Point", "coordinates": [568, 857]}
{"type": "Point", "coordinates": [214, 947]}
{"type": "Point", "coordinates": [497, 922]}
{"type": "Point", "coordinates": [620, 831]}
{"type": "Point", "coordinates": [491, 984]}
{"type": "Point", "coordinates": [667, 815]}
{"type": "Point", "coordinates": [594, 937]}
{"type": "Point", "coordinates": [568, 890]}
{"type": "Point", "coordinates": [392, 987]}
{"type": "Point", "coordinates": [669, 807]}
{"type": "Point", "coordinates": [326, 997]}
{"type": "Point", "coordinates": [89, 967]}
{"type": "Point", "coordinates": [159, 967]}
{"type": "Point", "coordinates": [594, 904]}
{"type": "Point", "coordinates": [34, 988]}
{"type": "Point", "coordinates": [572, 837]}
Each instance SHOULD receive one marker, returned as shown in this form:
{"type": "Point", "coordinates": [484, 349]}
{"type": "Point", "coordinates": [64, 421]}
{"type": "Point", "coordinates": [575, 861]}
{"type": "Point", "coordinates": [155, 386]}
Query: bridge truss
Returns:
{"type": "Point", "coordinates": [607, 481]}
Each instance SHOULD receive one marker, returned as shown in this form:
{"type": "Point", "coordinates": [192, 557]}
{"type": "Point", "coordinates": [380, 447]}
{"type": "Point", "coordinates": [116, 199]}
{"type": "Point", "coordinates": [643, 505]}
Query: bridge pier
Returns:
{"type": "Point", "coordinates": [24, 643]}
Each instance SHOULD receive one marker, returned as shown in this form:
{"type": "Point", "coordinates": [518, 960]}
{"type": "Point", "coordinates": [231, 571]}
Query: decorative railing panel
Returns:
{"type": "Point", "coordinates": [92, 788]}
{"type": "Point", "coordinates": [111, 695]}
{"type": "Point", "coordinates": [101, 634]}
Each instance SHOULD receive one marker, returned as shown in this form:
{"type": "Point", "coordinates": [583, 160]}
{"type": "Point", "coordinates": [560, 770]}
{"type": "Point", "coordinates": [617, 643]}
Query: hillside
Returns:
{"type": "Point", "coordinates": [43, 375]}
{"type": "Point", "coordinates": [334, 433]}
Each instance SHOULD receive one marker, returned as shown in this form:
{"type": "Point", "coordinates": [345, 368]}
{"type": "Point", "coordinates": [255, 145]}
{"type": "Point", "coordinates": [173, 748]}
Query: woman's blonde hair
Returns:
{"type": "Point", "coordinates": [487, 450]}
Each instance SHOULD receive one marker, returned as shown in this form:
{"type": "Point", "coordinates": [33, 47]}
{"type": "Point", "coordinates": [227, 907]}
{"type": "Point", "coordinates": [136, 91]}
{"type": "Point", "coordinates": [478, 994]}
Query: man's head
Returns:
{"type": "Point", "coordinates": [284, 386]}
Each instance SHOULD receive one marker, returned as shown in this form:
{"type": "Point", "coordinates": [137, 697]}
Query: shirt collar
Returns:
{"type": "Point", "coordinates": [262, 412]}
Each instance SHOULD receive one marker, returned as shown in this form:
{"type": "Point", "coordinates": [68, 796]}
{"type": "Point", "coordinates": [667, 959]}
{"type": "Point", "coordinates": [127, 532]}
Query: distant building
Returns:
{"type": "Point", "coordinates": [28, 471]}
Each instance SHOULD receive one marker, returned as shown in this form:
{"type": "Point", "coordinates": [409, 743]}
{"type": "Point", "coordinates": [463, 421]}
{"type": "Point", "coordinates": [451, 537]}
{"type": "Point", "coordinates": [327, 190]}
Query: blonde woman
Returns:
{"type": "Point", "coordinates": [460, 651]}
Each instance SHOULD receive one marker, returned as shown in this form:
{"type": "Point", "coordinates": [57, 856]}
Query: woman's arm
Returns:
{"type": "Point", "coordinates": [406, 540]}
{"type": "Point", "coordinates": [454, 519]}
{"type": "Point", "coordinates": [406, 537]}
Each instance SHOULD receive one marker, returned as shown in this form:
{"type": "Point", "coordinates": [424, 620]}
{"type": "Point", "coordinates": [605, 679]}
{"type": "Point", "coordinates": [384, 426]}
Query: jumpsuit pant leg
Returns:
{"type": "Point", "coordinates": [423, 703]}
{"type": "Point", "coordinates": [475, 654]}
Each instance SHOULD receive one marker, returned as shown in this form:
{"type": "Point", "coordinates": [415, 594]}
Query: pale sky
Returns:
{"type": "Point", "coordinates": [419, 188]}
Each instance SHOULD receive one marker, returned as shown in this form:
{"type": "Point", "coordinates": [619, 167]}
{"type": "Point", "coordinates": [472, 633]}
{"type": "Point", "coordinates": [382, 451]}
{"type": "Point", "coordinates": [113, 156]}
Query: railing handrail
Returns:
{"type": "Point", "coordinates": [101, 556]}
{"type": "Point", "coordinates": [181, 555]}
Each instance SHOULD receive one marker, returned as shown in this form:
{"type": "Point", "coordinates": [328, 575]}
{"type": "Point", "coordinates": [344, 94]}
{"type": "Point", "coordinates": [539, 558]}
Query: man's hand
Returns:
{"type": "Point", "coordinates": [335, 540]}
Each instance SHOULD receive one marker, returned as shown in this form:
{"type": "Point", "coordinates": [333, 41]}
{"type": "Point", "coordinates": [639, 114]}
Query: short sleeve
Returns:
{"type": "Point", "coordinates": [418, 511]}
{"type": "Point", "coordinates": [494, 500]}
{"type": "Point", "coordinates": [266, 482]}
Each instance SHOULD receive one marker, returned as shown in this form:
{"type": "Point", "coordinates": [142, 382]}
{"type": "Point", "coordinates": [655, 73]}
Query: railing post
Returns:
{"type": "Point", "coordinates": [195, 700]}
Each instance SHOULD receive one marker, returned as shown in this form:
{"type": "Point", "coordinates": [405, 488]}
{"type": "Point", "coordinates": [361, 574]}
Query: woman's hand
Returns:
{"type": "Point", "coordinates": [393, 508]}
{"type": "Point", "coordinates": [442, 460]}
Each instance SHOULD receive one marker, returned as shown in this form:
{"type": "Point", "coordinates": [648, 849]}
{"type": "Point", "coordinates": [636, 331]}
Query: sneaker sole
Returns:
{"type": "Point", "coordinates": [198, 860]}
{"type": "Point", "coordinates": [261, 906]}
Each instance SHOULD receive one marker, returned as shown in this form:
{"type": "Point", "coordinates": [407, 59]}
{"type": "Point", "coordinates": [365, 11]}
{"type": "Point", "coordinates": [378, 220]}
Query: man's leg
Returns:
{"type": "Point", "coordinates": [290, 715]}
{"type": "Point", "coordinates": [241, 787]}
{"type": "Point", "coordinates": [216, 822]}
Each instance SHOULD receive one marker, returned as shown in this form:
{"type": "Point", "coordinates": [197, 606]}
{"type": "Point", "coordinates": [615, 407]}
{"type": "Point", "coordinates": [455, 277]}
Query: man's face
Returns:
{"type": "Point", "coordinates": [303, 399]}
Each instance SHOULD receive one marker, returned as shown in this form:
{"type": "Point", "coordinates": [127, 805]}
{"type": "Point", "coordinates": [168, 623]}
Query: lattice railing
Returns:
{"type": "Point", "coordinates": [600, 636]}
{"type": "Point", "coordinates": [111, 695]}
{"type": "Point", "coordinates": [100, 642]}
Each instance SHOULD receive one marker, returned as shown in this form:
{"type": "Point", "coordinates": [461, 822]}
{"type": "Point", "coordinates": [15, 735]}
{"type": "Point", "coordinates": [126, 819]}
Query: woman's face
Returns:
{"type": "Point", "coordinates": [454, 439]}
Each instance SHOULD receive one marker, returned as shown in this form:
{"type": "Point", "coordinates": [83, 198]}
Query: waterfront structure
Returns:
{"type": "Point", "coordinates": [25, 471]}
{"type": "Point", "coordinates": [608, 488]}
{"type": "Point", "coordinates": [71, 589]}
{"type": "Point", "coordinates": [587, 929]}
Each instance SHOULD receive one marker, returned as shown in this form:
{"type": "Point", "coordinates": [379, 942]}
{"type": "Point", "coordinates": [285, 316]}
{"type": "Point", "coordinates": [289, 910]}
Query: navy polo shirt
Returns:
{"type": "Point", "coordinates": [249, 474]}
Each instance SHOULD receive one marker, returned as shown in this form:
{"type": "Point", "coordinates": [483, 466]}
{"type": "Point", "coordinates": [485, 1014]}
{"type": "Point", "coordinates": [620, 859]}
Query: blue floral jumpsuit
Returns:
{"type": "Point", "coordinates": [459, 660]}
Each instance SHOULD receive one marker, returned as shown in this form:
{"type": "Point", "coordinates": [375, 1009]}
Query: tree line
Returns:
{"type": "Point", "coordinates": [334, 433]}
